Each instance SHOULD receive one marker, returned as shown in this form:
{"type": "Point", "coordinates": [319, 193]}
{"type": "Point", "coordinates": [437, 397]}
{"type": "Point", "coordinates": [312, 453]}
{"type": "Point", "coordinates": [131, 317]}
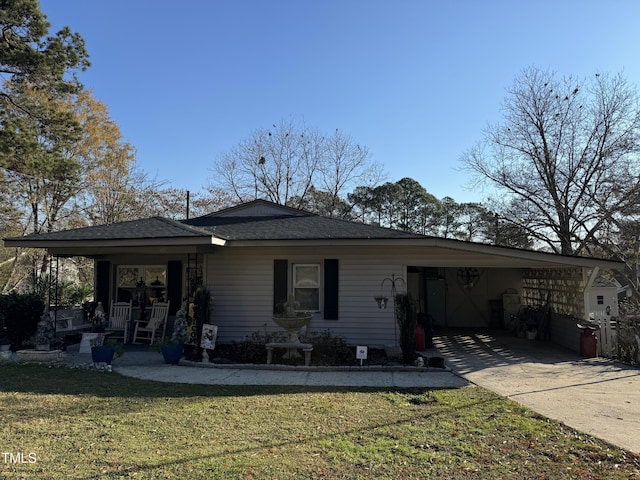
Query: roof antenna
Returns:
{"type": "Point", "coordinates": [188, 194]}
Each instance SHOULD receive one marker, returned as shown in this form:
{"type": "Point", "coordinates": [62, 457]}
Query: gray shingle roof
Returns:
{"type": "Point", "coordinates": [290, 227]}
{"type": "Point", "coordinates": [265, 221]}
{"type": "Point", "coordinates": [146, 228]}
{"type": "Point", "coordinates": [237, 223]}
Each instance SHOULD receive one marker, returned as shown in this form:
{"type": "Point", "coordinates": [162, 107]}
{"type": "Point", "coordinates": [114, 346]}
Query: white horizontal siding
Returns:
{"type": "Point", "coordinates": [241, 282]}
{"type": "Point", "coordinates": [242, 291]}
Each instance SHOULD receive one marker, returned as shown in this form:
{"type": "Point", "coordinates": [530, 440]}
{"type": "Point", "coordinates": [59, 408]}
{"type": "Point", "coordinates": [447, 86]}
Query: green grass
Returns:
{"type": "Point", "coordinates": [82, 424]}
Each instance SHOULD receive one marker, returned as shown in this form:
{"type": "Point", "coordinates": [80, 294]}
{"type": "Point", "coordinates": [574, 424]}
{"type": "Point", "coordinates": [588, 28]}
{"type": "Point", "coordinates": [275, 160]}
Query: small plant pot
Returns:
{"type": "Point", "coordinates": [172, 353]}
{"type": "Point", "coordinates": [102, 354]}
{"type": "Point", "coordinates": [435, 362]}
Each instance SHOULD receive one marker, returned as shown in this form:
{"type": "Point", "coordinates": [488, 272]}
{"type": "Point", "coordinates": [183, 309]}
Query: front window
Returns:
{"type": "Point", "coordinates": [153, 276]}
{"type": "Point", "coordinates": [306, 286]}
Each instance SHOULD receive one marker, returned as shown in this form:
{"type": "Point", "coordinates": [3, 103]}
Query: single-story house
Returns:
{"type": "Point", "coordinates": [252, 256]}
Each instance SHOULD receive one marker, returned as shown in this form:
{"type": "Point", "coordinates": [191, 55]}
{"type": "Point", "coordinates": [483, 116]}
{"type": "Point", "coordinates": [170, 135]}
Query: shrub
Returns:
{"type": "Point", "coordinates": [179, 334]}
{"type": "Point", "coordinates": [45, 331]}
{"type": "Point", "coordinates": [19, 316]}
{"type": "Point", "coordinates": [329, 349]}
{"type": "Point", "coordinates": [252, 350]}
{"type": "Point", "coordinates": [627, 328]}
{"type": "Point", "coordinates": [406, 318]}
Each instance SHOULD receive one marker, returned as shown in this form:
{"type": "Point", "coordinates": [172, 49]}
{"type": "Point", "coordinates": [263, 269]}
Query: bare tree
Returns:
{"type": "Point", "coordinates": [283, 163]}
{"type": "Point", "coordinates": [623, 241]}
{"type": "Point", "coordinates": [214, 199]}
{"type": "Point", "coordinates": [344, 163]}
{"type": "Point", "coordinates": [564, 157]}
{"type": "Point", "coordinates": [173, 203]}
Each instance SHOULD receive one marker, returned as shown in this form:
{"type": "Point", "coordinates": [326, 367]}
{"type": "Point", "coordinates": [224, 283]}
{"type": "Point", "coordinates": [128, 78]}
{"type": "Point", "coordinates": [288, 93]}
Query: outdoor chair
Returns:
{"type": "Point", "coordinates": [119, 318]}
{"type": "Point", "coordinates": [157, 322]}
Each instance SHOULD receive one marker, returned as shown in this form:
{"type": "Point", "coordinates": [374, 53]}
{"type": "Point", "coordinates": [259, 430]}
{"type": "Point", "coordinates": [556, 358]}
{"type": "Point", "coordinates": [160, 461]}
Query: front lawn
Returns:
{"type": "Point", "coordinates": [64, 423]}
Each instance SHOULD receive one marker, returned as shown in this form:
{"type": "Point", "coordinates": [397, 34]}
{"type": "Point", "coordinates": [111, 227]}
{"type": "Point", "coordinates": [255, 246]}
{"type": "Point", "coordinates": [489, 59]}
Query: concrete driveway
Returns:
{"type": "Point", "coordinates": [595, 396]}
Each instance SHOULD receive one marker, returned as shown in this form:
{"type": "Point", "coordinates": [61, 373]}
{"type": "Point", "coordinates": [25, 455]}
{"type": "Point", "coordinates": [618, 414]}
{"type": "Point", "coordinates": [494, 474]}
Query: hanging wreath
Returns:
{"type": "Point", "coordinates": [468, 277]}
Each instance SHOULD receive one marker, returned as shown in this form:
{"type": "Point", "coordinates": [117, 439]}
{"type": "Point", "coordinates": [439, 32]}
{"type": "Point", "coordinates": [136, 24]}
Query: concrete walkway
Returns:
{"type": "Point", "coordinates": [149, 365]}
{"type": "Point", "coordinates": [307, 377]}
{"type": "Point", "coordinates": [596, 396]}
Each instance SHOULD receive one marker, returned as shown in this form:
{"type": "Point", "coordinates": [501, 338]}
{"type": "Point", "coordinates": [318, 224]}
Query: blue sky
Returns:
{"type": "Point", "coordinates": [415, 81]}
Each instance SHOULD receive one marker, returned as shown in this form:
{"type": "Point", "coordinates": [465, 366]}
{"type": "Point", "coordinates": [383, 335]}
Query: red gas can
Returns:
{"type": "Point", "coordinates": [419, 334]}
{"type": "Point", "coordinates": [588, 344]}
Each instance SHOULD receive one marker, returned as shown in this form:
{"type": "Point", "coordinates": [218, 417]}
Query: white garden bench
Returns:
{"type": "Point", "coordinates": [307, 348]}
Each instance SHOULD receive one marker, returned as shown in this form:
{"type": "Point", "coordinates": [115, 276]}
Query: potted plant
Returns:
{"type": "Point", "coordinates": [99, 320]}
{"type": "Point", "coordinates": [381, 300]}
{"type": "Point", "coordinates": [201, 307]}
{"type": "Point", "coordinates": [103, 351]}
{"type": "Point", "coordinates": [173, 348]}
{"type": "Point", "coordinates": [406, 319]}
{"type": "Point", "coordinates": [45, 333]}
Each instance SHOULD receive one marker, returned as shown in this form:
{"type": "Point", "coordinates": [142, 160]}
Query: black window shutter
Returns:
{"type": "Point", "coordinates": [280, 284]}
{"type": "Point", "coordinates": [174, 285]}
{"type": "Point", "coordinates": [331, 289]}
{"type": "Point", "coordinates": [103, 269]}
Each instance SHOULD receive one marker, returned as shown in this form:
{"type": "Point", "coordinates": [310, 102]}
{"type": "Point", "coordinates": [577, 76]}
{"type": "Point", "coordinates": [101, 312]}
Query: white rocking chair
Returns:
{"type": "Point", "coordinates": [120, 317]}
{"type": "Point", "coordinates": [157, 322]}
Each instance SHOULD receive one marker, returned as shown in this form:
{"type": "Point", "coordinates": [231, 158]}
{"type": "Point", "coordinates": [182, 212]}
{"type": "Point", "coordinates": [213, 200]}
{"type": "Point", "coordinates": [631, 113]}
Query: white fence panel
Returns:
{"type": "Point", "coordinates": [607, 336]}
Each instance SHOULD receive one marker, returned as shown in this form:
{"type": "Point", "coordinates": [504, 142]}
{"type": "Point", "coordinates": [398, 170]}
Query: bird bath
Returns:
{"type": "Point", "coordinates": [292, 322]}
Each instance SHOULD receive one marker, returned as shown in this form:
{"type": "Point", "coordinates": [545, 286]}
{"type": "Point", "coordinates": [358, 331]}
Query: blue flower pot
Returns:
{"type": "Point", "coordinates": [102, 354]}
{"type": "Point", "coordinates": [172, 353]}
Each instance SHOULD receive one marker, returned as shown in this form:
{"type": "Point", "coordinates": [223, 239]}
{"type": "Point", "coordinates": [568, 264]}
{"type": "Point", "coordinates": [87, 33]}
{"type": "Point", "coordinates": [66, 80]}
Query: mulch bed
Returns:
{"type": "Point", "coordinates": [243, 353]}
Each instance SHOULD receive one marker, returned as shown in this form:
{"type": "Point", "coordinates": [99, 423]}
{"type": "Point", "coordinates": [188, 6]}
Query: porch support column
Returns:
{"type": "Point", "coordinates": [589, 279]}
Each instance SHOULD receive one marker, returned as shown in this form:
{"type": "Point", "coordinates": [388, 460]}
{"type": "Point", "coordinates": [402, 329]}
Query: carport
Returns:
{"type": "Point", "coordinates": [476, 286]}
